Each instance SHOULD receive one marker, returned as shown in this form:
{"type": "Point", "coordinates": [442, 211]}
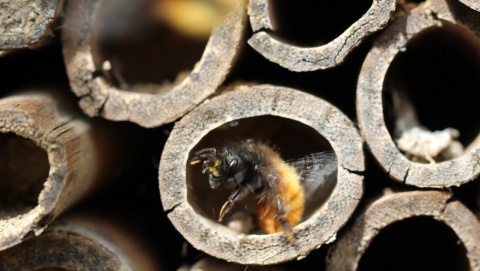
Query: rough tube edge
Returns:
{"type": "Point", "coordinates": [80, 242]}
{"type": "Point", "coordinates": [147, 110]}
{"type": "Point", "coordinates": [37, 30]}
{"type": "Point", "coordinates": [218, 240]}
{"type": "Point", "coordinates": [67, 142]}
{"type": "Point", "coordinates": [302, 59]}
{"type": "Point", "coordinates": [346, 253]}
{"type": "Point", "coordinates": [454, 172]}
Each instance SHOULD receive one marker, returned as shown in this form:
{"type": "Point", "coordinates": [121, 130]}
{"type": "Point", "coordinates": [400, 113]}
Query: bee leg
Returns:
{"type": "Point", "coordinates": [239, 194]}
{"type": "Point", "coordinates": [287, 228]}
{"type": "Point", "coordinates": [202, 154]}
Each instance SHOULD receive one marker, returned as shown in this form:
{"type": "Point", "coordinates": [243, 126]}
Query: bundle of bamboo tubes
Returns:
{"type": "Point", "coordinates": [239, 134]}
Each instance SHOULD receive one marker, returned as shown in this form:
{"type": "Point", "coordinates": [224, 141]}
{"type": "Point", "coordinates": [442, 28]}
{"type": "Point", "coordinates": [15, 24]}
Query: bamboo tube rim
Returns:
{"type": "Point", "coordinates": [370, 108]}
{"type": "Point", "coordinates": [80, 242]}
{"type": "Point", "coordinates": [35, 117]}
{"type": "Point", "coordinates": [222, 242]}
{"type": "Point", "coordinates": [99, 98]}
{"type": "Point", "coordinates": [31, 31]}
{"type": "Point", "coordinates": [348, 250]}
{"type": "Point", "coordinates": [473, 4]}
{"type": "Point", "coordinates": [300, 59]}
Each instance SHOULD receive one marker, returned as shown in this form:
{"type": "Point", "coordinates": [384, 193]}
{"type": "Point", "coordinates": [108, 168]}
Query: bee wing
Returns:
{"type": "Point", "coordinates": [316, 171]}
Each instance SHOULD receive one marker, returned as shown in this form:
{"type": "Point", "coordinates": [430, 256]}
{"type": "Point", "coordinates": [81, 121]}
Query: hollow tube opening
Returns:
{"type": "Point", "coordinates": [418, 243]}
{"type": "Point", "coordinates": [433, 84]}
{"type": "Point", "coordinates": [149, 46]}
{"type": "Point", "coordinates": [314, 23]}
{"type": "Point", "coordinates": [24, 168]}
{"type": "Point", "coordinates": [291, 139]}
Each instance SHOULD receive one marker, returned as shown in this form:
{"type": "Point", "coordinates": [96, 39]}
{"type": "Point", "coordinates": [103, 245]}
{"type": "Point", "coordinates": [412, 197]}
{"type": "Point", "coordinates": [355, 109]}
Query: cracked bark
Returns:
{"type": "Point", "coordinates": [66, 155]}
{"type": "Point", "coordinates": [371, 104]}
{"type": "Point", "coordinates": [347, 252]}
{"type": "Point", "coordinates": [302, 59]}
{"type": "Point", "coordinates": [165, 103]}
{"type": "Point", "coordinates": [27, 23]}
{"type": "Point", "coordinates": [248, 112]}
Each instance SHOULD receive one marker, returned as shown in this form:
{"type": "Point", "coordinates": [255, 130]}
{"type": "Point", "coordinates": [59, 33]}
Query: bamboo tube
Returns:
{"type": "Point", "coordinates": [302, 58]}
{"type": "Point", "coordinates": [51, 159]}
{"type": "Point", "coordinates": [27, 23]}
{"type": "Point", "coordinates": [167, 101]}
{"type": "Point", "coordinates": [397, 208]}
{"type": "Point", "coordinates": [297, 124]}
{"type": "Point", "coordinates": [374, 85]}
{"type": "Point", "coordinates": [82, 242]}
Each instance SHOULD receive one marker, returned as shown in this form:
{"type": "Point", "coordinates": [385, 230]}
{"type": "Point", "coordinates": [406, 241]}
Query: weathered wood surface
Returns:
{"type": "Point", "coordinates": [370, 104]}
{"type": "Point", "coordinates": [183, 203]}
{"type": "Point", "coordinates": [475, 5]}
{"type": "Point", "coordinates": [348, 250]}
{"type": "Point", "coordinates": [27, 23]}
{"type": "Point", "coordinates": [100, 98]}
{"type": "Point", "coordinates": [302, 59]}
{"type": "Point", "coordinates": [71, 154]}
{"type": "Point", "coordinates": [81, 242]}
{"type": "Point", "coordinates": [52, 157]}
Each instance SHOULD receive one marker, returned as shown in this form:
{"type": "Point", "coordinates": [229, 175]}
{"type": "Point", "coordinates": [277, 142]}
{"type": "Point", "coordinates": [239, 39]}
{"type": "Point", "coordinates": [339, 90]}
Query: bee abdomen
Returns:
{"type": "Point", "coordinates": [286, 204]}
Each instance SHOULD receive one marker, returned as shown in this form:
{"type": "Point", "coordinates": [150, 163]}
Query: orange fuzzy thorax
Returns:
{"type": "Point", "coordinates": [290, 191]}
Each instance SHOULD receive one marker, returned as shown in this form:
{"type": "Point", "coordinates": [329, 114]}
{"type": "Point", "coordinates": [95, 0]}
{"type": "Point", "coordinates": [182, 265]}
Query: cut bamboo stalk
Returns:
{"type": "Point", "coordinates": [301, 59]}
{"type": "Point", "coordinates": [395, 208]}
{"type": "Point", "coordinates": [27, 23]}
{"type": "Point", "coordinates": [294, 122]}
{"type": "Point", "coordinates": [100, 98]}
{"type": "Point", "coordinates": [372, 86]}
{"type": "Point", "coordinates": [51, 159]}
{"type": "Point", "coordinates": [81, 242]}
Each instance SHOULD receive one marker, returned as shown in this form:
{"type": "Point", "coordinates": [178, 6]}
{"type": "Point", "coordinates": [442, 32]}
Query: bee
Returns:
{"type": "Point", "coordinates": [280, 189]}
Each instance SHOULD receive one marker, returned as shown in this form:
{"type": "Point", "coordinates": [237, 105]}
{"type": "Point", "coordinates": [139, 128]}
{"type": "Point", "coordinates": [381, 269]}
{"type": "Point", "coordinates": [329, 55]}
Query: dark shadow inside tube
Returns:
{"type": "Point", "coordinates": [290, 138]}
{"type": "Point", "coordinates": [136, 48]}
{"type": "Point", "coordinates": [24, 169]}
{"type": "Point", "coordinates": [419, 243]}
{"type": "Point", "coordinates": [314, 23]}
{"type": "Point", "coordinates": [436, 76]}
{"type": "Point", "coordinates": [62, 250]}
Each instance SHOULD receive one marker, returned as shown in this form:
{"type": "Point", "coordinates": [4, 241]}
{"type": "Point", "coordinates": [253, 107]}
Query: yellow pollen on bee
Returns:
{"type": "Point", "coordinates": [214, 169]}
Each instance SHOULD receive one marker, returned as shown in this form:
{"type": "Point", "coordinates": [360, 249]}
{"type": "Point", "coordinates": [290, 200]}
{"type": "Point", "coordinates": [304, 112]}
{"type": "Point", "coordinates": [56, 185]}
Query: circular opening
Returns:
{"type": "Point", "coordinates": [434, 84]}
{"type": "Point", "coordinates": [24, 169]}
{"type": "Point", "coordinates": [291, 139]}
{"type": "Point", "coordinates": [419, 243]}
{"type": "Point", "coordinates": [149, 46]}
{"type": "Point", "coordinates": [62, 250]}
{"type": "Point", "coordinates": [314, 23]}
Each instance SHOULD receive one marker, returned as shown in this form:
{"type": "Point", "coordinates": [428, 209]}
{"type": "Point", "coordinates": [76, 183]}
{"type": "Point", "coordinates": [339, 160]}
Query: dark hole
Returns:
{"type": "Point", "coordinates": [419, 243]}
{"type": "Point", "coordinates": [290, 138]}
{"type": "Point", "coordinates": [314, 23]}
{"type": "Point", "coordinates": [438, 73]}
{"type": "Point", "coordinates": [145, 53]}
{"type": "Point", "coordinates": [24, 169]}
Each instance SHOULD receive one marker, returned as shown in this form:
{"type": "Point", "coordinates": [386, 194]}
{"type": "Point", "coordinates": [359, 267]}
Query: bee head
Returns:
{"type": "Point", "coordinates": [221, 167]}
